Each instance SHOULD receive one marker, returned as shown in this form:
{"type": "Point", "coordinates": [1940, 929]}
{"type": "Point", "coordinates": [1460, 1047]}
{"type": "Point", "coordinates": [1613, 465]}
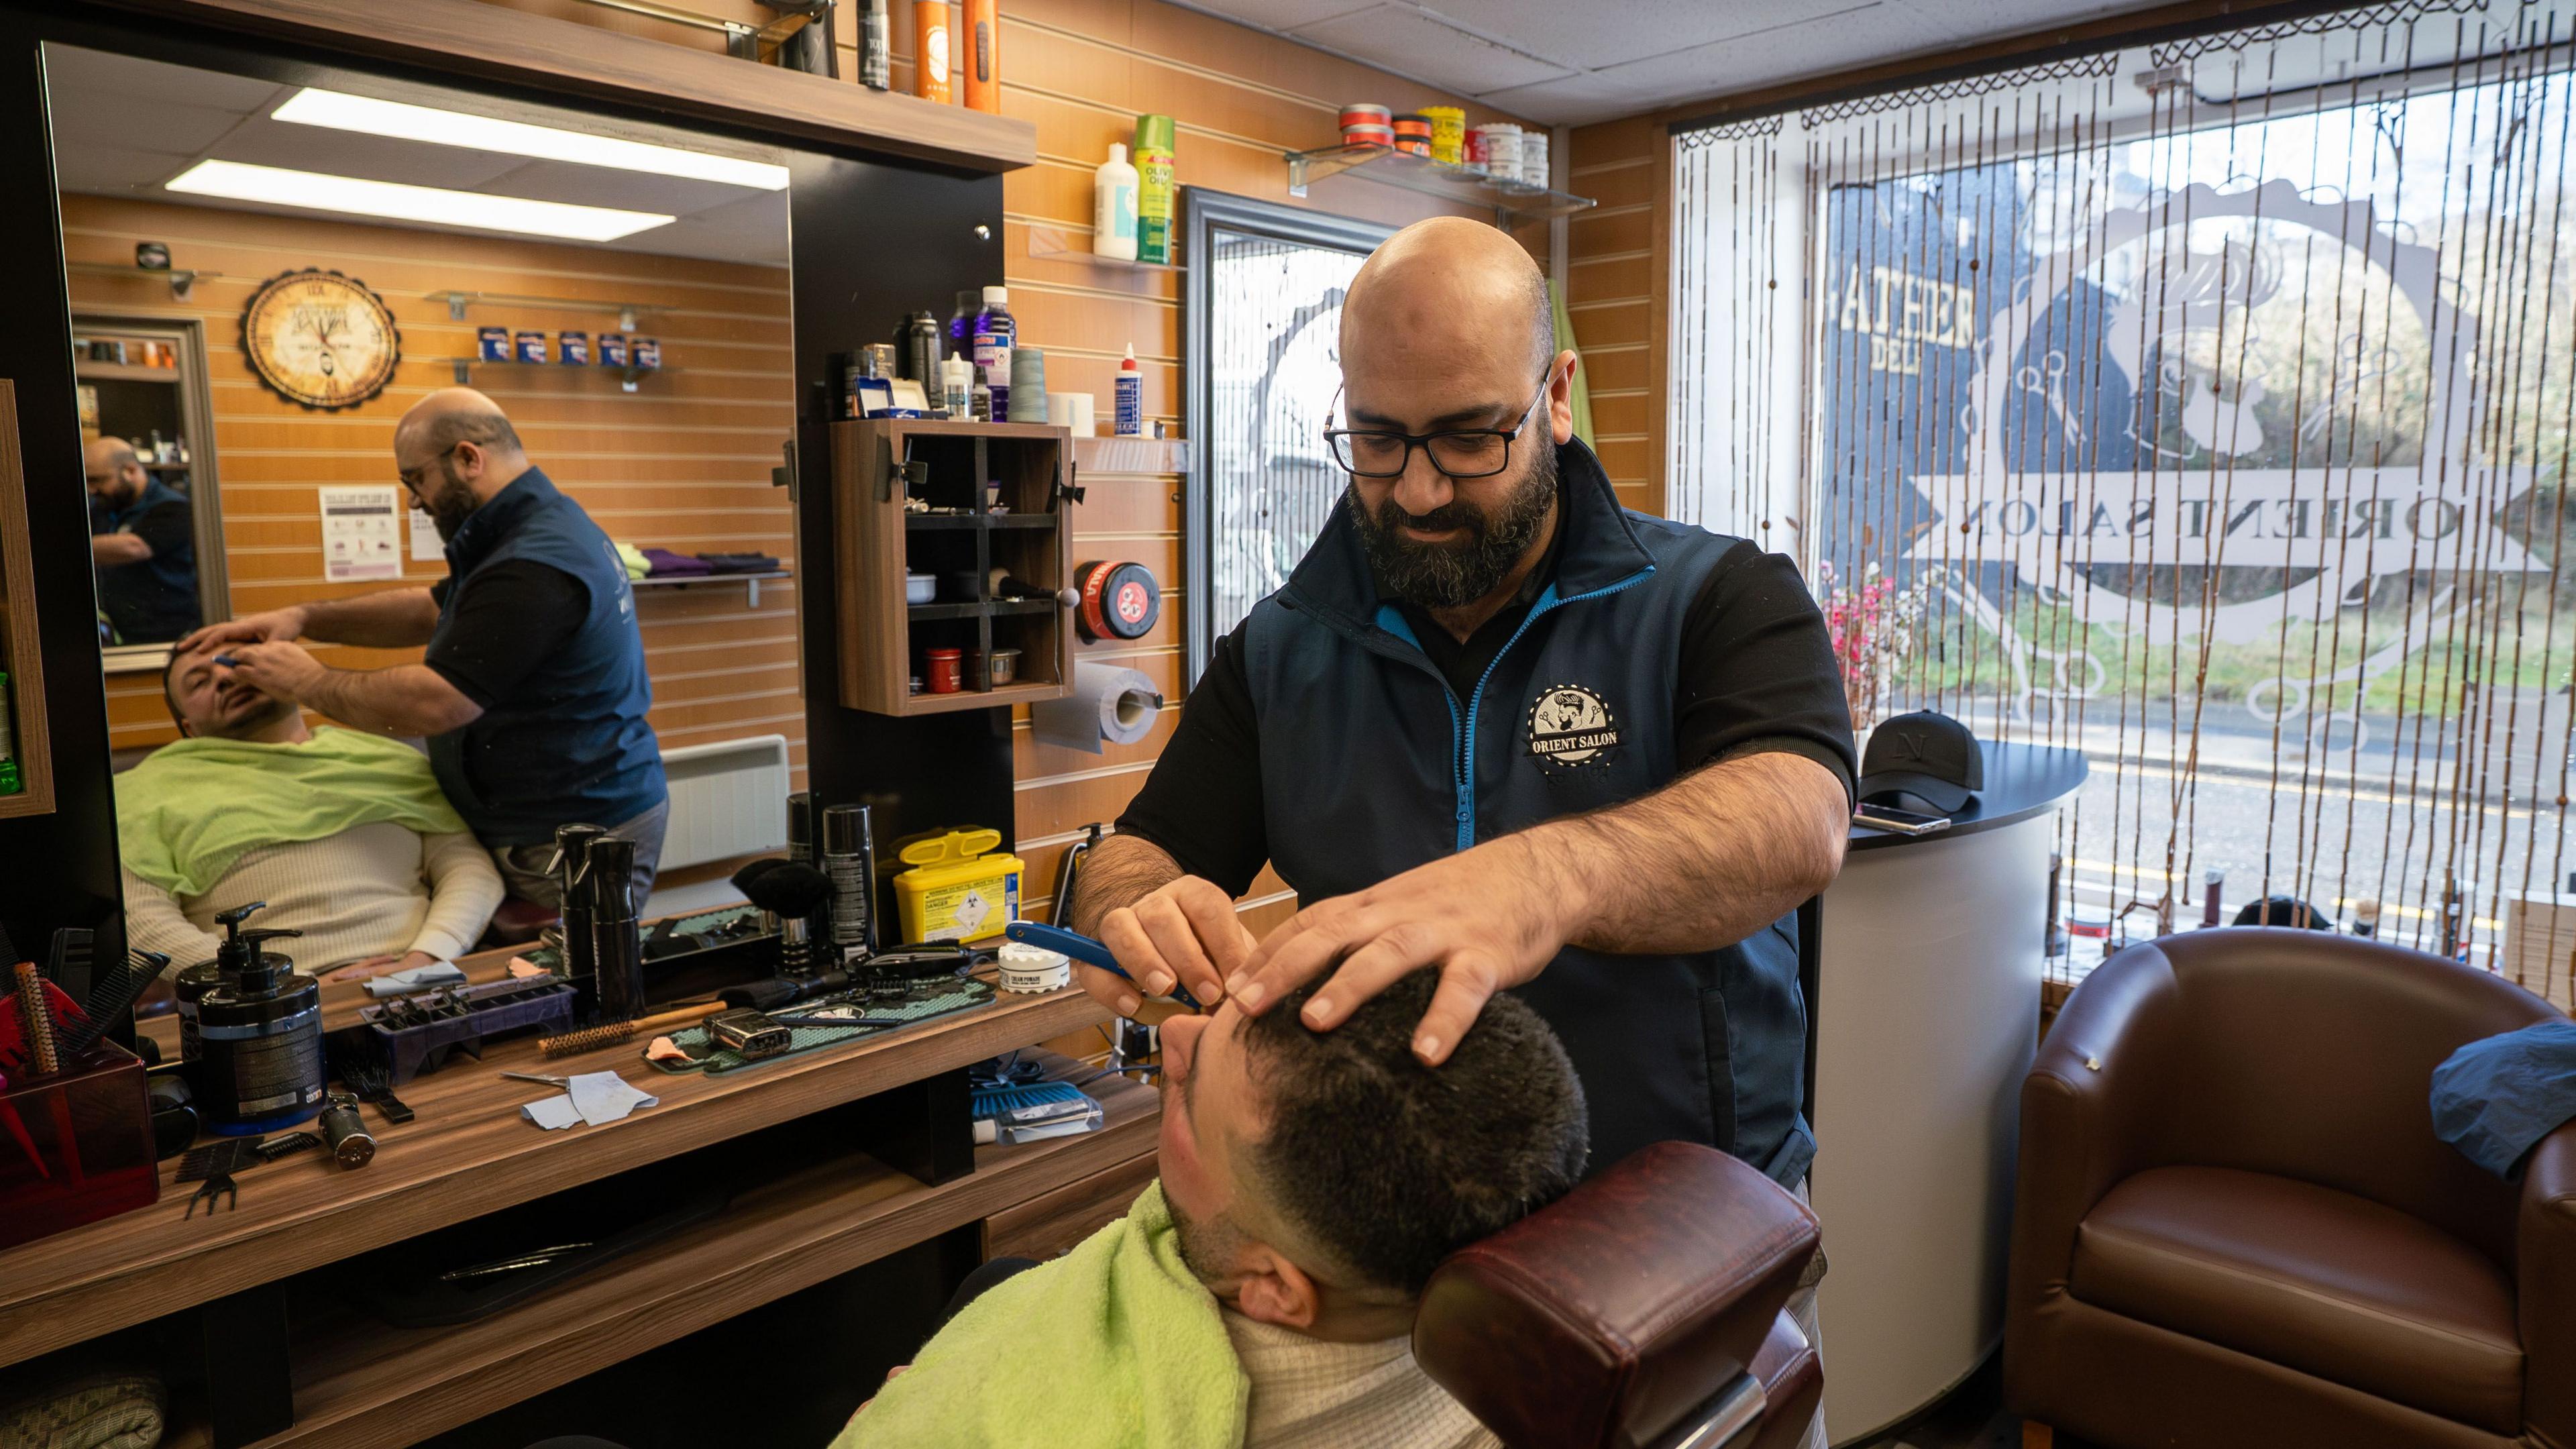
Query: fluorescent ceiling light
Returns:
{"type": "Point", "coordinates": [342, 112]}
{"type": "Point", "coordinates": [398, 202]}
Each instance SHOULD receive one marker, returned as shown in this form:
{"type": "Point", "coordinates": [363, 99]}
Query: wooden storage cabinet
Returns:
{"type": "Point", "coordinates": [883, 636]}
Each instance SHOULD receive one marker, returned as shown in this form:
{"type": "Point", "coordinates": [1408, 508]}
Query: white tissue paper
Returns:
{"type": "Point", "coordinates": [597, 1098]}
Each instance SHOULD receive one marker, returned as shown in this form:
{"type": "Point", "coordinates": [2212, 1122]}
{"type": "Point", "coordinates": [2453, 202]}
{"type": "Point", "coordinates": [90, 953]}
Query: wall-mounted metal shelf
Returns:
{"type": "Point", "coordinates": [628, 376]}
{"type": "Point", "coordinates": [1063, 244]}
{"type": "Point", "coordinates": [750, 583]}
{"type": "Point", "coordinates": [181, 279]}
{"type": "Point", "coordinates": [626, 312]}
{"type": "Point", "coordinates": [1511, 201]}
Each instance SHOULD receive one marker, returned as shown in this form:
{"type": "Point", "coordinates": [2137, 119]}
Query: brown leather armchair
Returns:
{"type": "Point", "coordinates": [1642, 1309]}
{"type": "Point", "coordinates": [2236, 1227]}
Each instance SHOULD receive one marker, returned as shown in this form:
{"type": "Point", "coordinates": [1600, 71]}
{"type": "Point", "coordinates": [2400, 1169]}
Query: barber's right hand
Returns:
{"type": "Point", "coordinates": [1186, 932]}
{"type": "Point", "coordinates": [272, 624]}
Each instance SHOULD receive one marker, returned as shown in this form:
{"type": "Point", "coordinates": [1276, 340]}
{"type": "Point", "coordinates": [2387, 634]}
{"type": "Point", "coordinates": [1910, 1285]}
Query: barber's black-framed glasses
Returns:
{"type": "Point", "coordinates": [1459, 452]}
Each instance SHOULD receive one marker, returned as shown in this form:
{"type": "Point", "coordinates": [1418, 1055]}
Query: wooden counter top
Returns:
{"type": "Point", "coordinates": [469, 1153]}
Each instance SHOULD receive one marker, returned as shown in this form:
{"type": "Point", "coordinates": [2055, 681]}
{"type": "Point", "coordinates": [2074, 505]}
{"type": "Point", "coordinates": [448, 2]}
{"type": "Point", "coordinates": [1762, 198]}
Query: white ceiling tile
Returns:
{"type": "Point", "coordinates": [1411, 43]}
{"type": "Point", "coordinates": [263, 142]}
{"type": "Point", "coordinates": [1593, 36]}
{"type": "Point", "coordinates": [1278, 14]}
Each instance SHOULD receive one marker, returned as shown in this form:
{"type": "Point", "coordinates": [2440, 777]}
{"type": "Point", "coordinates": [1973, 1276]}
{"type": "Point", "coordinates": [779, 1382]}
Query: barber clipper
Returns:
{"type": "Point", "coordinates": [617, 945]}
{"type": "Point", "coordinates": [573, 941]}
{"type": "Point", "coordinates": [259, 1035]}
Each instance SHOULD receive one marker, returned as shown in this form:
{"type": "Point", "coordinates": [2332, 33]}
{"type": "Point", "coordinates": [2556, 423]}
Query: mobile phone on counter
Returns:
{"type": "Point", "coordinates": [1903, 822]}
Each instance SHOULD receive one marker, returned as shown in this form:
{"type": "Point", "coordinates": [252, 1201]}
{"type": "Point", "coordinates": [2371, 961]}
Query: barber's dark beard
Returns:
{"type": "Point", "coordinates": [1452, 575]}
{"type": "Point", "coordinates": [452, 504]}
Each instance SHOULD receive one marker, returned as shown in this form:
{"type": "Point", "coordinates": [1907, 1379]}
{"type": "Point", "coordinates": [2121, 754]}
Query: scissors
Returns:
{"type": "Point", "coordinates": [1086, 950]}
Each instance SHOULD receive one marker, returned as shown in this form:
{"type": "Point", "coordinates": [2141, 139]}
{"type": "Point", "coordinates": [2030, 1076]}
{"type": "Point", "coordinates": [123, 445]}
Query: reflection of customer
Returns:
{"type": "Point", "coordinates": [343, 834]}
{"type": "Point", "coordinates": [533, 691]}
{"type": "Point", "coordinates": [143, 543]}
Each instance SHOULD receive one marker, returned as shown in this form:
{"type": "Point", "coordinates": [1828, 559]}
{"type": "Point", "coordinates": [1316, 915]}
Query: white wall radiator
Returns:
{"type": "Point", "coordinates": [727, 799]}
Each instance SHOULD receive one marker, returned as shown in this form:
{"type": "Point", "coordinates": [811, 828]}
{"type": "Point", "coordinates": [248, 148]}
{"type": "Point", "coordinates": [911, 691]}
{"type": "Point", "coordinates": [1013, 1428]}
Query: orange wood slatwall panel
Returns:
{"type": "Point", "coordinates": [683, 463]}
{"type": "Point", "coordinates": [1080, 71]}
{"type": "Point", "coordinates": [1615, 292]}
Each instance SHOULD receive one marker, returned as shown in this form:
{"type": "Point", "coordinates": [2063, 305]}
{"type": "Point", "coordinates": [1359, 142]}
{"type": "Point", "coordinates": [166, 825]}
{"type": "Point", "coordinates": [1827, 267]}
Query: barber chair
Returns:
{"type": "Point", "coordinates": [1641, 1311]}
{"type": "Point", "coordinates": [2236, 1229]}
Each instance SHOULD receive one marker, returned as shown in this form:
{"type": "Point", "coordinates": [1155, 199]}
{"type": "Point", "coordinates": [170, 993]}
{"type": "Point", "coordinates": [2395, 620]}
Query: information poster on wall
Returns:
{"type": "Point", "coordinates": [426, 545]}
{"type": "Point", "coordinates": [361, 534]}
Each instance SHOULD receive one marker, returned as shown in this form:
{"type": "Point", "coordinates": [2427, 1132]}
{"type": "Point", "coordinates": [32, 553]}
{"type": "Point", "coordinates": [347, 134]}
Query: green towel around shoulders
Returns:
{"type": "Point", "coordinates": [1115, 1345]}
{"type": "Point", "coordinates": [194, 806]}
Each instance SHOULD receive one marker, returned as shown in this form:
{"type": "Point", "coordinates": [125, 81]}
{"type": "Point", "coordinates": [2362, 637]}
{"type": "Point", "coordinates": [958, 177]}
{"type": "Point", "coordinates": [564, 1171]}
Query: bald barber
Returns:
{"type": "Point", "coordinates": [1498, 726]}
{"type": "Point", "coordinates": [533, 690]}
{"type": "Point", "coordinates": [143, 545]}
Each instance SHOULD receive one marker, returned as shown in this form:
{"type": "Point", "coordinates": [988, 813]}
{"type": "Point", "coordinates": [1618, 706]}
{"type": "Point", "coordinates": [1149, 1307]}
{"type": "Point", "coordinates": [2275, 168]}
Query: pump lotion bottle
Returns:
{"type": "Point", "coordinates": [1113, 207]}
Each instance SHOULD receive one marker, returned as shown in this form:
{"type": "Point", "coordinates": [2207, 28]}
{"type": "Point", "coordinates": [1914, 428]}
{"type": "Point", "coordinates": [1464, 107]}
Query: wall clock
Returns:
{"type": "Point", "coordinates": [320, 339]}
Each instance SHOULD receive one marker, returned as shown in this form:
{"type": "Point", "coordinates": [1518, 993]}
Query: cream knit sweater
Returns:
{"type": "Point", "coordinates": [1308, 1394]}
{"type": "Point", "coordinates": [374, 890]}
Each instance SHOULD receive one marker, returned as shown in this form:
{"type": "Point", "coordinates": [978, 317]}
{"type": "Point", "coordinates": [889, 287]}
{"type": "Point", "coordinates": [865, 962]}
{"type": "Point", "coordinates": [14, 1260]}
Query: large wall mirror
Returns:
{"type": "Point", "coordinates": [267, 272]}
{"type": "Point", "coordinates": [1265, 313]}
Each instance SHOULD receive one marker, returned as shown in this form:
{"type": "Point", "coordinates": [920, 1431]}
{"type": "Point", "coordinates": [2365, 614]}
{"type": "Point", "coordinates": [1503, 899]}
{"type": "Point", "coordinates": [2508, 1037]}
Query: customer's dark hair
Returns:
{"type": "Point", "coordinates": [1389, 1165]}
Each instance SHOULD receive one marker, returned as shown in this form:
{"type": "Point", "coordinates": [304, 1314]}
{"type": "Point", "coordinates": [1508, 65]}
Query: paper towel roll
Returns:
{"type": "Point", "coordinates": [1107, 703]}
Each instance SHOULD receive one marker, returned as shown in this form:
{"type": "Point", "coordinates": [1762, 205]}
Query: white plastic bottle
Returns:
{"type": "Point", "coordinates": [1130, 417]}
{"type": "Point", "coordinates": [1113, 207]}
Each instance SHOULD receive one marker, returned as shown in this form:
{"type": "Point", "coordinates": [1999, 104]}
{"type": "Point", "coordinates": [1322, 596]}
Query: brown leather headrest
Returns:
{"type": "Point", "coordinates": [1606, 1317]}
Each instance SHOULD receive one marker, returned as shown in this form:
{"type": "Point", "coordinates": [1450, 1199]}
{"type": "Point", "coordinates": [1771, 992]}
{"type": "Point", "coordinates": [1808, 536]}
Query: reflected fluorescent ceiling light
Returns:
{"type": "Point", "coordinates": [342, 112]}
{"type": "Point", "coordinates": [397, 202]}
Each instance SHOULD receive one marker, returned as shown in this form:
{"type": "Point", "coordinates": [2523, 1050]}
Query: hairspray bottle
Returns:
{"type": "Point", "coordinates": [850, 862]}
{"type": "Point", "coordinates": [617, 947]}
{"type": "Point", "coordinates": [572, 902]}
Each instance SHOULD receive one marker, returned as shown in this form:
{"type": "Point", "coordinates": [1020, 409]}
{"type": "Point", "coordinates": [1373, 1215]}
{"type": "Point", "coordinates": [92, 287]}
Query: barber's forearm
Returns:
{"type": "Point", "coordinates": [387, 619]}
{"type": "Point", "coordinates": [1702, 863]}
{"type": "Point", "coordinates": [407, 699]}
{"type": "Point", "coordinates": [1120, 871]}
{"type": "Point", "coordinates": [114, 550]}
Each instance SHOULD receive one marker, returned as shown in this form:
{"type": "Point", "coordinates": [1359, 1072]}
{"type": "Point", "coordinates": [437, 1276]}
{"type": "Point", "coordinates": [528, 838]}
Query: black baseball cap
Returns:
{"type": "Point", "coordinates": [1925, 754]}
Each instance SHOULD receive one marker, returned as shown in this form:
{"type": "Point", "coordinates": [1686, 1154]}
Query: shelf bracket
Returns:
{"type": "Point", "coordinates": [1297, 176]}
{"type": "Point", "coordinates": [456, 306]}
{"type": "Point", "coordinates": [464, 371]}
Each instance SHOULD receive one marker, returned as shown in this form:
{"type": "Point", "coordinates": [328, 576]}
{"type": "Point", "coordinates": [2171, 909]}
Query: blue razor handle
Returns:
{"type": "Point", "coordinates": [1084, 949]}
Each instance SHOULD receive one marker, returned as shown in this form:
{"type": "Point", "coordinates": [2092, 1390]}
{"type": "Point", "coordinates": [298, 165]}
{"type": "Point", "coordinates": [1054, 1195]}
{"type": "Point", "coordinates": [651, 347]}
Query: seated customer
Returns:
{"type": "Point", "coordinates": [1262, 1292]}
{"type": "Point", "coordinates": [345, 835]}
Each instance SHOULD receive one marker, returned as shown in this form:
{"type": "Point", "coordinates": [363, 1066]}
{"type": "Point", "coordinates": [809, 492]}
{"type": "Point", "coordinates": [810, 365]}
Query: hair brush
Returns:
{"type": "Point", "coordinates": [611, 1033]}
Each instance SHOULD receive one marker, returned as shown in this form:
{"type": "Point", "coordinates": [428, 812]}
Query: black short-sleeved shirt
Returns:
{"type": "Point", "coordinates": [514, 617]}
{"type": "Point", "coordinates": [1756, 674]}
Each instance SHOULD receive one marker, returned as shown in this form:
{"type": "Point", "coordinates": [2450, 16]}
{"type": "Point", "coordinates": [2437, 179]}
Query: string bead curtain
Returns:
{"type": "Point", "coordinates": [2204, 407]}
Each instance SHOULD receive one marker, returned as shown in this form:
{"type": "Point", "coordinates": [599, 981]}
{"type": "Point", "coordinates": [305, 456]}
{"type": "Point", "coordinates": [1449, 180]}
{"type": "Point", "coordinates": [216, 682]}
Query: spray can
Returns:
{"type": "Point", "coordinates": [1156, 137]}
{"type": "Point", "coordinates": [804, 825]}
{"type": "Point", "coordinates": [983, 42]}
{"type": "Point", "coordinates": [1131, 398]}
{"type": "Point", "coordinates": [876, 56]}
{"type": "Point", "coordinates": [617, 947]}
{"type": "Point", "coordinates": [850, 862]}
{"type": "Point", "coordinates": [917, 350]}
{"type": "Point", "coordinates": [930, 53]}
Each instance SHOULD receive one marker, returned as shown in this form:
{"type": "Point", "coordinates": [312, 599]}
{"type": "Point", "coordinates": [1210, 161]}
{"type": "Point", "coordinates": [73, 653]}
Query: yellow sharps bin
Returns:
{"type": "Point", "coordinates": [956, 890]}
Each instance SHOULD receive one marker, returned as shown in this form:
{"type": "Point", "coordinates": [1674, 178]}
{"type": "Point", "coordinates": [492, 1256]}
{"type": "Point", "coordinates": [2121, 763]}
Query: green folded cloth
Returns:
{"type": "Point", "coordinates": [194, 806]}
{"type": "Point", "coordinates": [1115, 1345]}
{"type": "Point", "coordinates": [637, 565]}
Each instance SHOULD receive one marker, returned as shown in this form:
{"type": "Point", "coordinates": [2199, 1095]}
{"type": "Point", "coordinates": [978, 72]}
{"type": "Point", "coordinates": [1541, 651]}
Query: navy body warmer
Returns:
{"type": "Point", "coordinates": [570, 744]}
{"type": "Point", "coordinates": [1371, 766]}
{"type": "Point", "coordinates": [157, 598]}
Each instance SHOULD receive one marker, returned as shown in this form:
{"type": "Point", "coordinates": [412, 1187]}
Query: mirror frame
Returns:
{"type": "Point", "coordinates": [205, 490]}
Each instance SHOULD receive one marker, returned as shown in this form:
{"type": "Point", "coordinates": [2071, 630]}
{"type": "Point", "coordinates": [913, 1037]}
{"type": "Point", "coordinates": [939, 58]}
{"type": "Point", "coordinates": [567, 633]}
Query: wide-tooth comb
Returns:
{"type": "Point", "coordinates": [115, 996]}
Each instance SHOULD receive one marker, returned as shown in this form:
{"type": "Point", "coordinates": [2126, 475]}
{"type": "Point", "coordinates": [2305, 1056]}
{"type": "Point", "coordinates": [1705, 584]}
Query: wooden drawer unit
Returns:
{"type": "Point", "coordinates": [884, 637]}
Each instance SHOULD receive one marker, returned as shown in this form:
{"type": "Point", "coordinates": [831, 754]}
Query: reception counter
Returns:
{"type": "Point", "coordinates": [1927, 1018]}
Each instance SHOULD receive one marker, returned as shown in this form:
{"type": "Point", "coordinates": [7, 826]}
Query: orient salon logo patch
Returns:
{"type": "Point", "coordinates": [1570, 726]}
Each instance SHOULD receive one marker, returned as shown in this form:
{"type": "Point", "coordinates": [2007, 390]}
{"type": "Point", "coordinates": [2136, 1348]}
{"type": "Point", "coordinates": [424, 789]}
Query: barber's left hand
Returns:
{"type": "Point", "coordinates": [1487, 919]}
{"type": "Point", "coordinates": [277, 667]}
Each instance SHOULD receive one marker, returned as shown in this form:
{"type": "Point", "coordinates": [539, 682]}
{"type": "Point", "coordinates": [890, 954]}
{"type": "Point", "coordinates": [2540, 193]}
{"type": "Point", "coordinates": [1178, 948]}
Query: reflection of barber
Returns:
{"type": "Point", "coordinates": [533, 691]}
{"type": "Point", "coordinates": [143, 542]}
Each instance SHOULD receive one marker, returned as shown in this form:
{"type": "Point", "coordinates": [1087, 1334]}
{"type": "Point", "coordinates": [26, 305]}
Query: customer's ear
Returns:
{"type": "Point", "coordinates": [1274, 1290]}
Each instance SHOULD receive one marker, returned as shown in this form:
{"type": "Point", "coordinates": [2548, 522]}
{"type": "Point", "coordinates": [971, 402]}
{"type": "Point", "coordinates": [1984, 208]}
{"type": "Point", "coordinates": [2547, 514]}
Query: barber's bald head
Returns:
{"type": "Point", "coordinates": [112, 471]}
{"type": "Point", "coordinates": [454, 450]}
{"type": "Point", "coordinates": [1448, 329]}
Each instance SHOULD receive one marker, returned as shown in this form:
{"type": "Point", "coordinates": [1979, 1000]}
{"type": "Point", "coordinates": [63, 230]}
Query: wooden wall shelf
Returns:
{"type": "Point", "coordinates": [882, 636]}
{"type": "Point", "coordinates": [569, 59]}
